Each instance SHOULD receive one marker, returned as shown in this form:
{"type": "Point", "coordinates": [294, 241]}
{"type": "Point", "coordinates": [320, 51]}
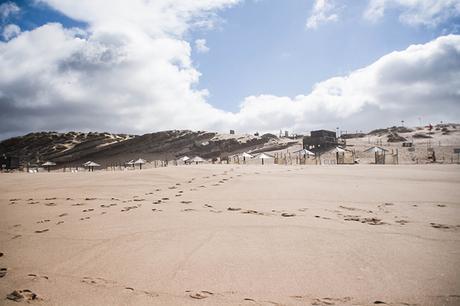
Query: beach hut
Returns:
{"type": "Point", "coordinates": [197, 160]}
{"type": "Point", "coordinates": [263, 156]}
{"type": "Point", "coordinates": [48, 165]}
{"type": "Point", "coordinates": [90, 165]}
{"type": "Point", "coordinates": [139, 162]}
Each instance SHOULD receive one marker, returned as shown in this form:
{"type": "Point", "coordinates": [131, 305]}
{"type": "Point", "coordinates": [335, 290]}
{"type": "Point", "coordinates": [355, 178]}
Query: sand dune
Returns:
{"type": "Point", "coordinates": [232, 235]}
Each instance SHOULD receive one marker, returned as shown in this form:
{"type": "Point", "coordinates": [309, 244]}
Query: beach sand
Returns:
{"type": "Point", "coordinates": [233, 235]}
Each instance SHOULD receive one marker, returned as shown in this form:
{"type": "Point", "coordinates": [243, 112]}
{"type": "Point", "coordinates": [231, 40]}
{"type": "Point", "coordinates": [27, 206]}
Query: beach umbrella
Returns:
{"type": "Point", "coordinates": [263, 156]}
{"type": "Point", "coordinates": [139, 162]}
{"type": "Point", "coordinates": [376, 150]}
{"type": "Point", "coordinates": [197, 160]}
{"type": "Point", "coordinates": [91, 165]}
{"type": "Point", "coordinates": [48, 165]}
{"type": "Point", "coordinates": [184, 159]}
{"type": "Point", "coordinates": [246, 155]}
{"type": "Point", "coordinates": [130, 163]}
{"type": "Point", "coordinates": [305, 152]}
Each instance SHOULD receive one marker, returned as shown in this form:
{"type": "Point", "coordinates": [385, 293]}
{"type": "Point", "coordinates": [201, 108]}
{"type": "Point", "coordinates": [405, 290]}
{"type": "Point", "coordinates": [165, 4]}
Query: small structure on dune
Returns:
{"type": "Point", "coordinates": [48, 165]}
{"type": "Point", "coordinates": [140, 162]}
{"type": "Point", "coordinates": [197, 160]}
{"type": "Point", "coordinates": [91, 165]}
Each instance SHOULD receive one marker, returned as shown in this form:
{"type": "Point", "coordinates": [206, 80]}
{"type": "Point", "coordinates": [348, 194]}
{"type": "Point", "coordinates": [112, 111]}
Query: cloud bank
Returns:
{"type": "Point", "coordinates": [131, 71]}
{"type": "Point", "coordinates": [415, 12]}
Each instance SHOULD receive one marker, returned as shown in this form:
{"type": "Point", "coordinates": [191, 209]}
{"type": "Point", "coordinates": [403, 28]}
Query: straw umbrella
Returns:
{"type": "Point", "coordinates": [263, 156]}
{"type": "Point", "coordinates": [246, 155]}
{"type": "Point", "coordinates": [378, 151]}
{"type": "Point", "coordinates": [139, 162]}
{"type": "Point", "coordinates": [305, 152]}
{"type": "Point", "coordinates": [48, 165]}
{"type": "Point", "coordinates": [91, 165]}
{"type": "Point", "coordinates": [184, 159]}
{"type": "Point", "coordinates": [197, 160]}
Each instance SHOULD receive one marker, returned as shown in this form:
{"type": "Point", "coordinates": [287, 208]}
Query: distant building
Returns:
{"type": "Point", "coordinates": [9, 162]}
{"type": "Point", "coordinates": [232, 132]}
{"type": "Point", "coordinates": [286, 133]}
{"type": "Point", "coordinates": [321, 140]}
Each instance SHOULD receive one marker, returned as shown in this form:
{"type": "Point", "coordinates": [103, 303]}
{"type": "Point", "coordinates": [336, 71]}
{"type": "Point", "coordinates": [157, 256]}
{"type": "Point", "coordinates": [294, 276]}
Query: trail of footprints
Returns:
{"type": "Point", "coordinates": [93, 206]}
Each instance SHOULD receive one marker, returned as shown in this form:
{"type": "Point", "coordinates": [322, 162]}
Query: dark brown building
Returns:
{"type": "Point", "coordinates": [8, 162]}
{"type": "Point", "coordinates": [321, 140]}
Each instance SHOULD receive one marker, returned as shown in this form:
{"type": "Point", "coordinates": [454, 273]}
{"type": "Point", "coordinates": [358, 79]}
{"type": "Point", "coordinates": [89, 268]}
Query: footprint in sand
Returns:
{"type": "Point", "coordinates": [188, 209]}
{"type": "Point", "coordinates": [63, 215]}
{"type": "Point", "coordinates": [88, 210]}
{"type": "Point", "coordinates": [85, 218]}
{"type": "Point", "coordinates": [164, 199]}
{"type": "Point", "coordinates": [78, 204]}
{"type": "Point", "coordinates": [35, 276]}
{"type": "Point", "coordinates": [49, 199]}
{"type": "Point", "coordinates": [287, 215]}
{"type": "Point", "coordinates": [138, 200]}
{"type": "Point", "coordinates": [3, 272]}
{"type": "Point", "coordinates": [42, 231]}
{"type": "Point", "coordinates": [128, 208]}
{"type": "Point", "coordinates": [155, 209]}
{"type": "Point", "coordinates": [19, 295]}
{"type": "Point", "coordinates": [50, 204]}
{"type": "Point", "coordinates": [43, 221]}
{"type": "Point", "coordinates": [233, 208]}
{"type": "Point", "coordinates": [251, 212]}
{"type": "Point", "coordinates": [16, 237]}
{"type": "Point", "coordinates": [59, 222]}
{"type": "Point", "coordinates": [201, 295]}
{"type": "Point", "coordinates": [186, 202]}
{"type": "Point", "coordinates": [207, 205]}
{"type": "Point", "coordinates": [440, 226]}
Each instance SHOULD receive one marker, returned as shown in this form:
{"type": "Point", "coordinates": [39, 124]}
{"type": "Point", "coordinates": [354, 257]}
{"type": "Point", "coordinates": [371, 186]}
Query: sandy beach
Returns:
{"type": "Point", "coordinates": [233, 235]}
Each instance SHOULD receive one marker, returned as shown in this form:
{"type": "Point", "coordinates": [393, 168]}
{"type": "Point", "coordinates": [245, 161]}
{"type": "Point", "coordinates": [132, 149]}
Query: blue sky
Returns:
{"type": "Point", "coordinates": [258, 65]}
{"type": "Point", "coordinates": [265, 47]}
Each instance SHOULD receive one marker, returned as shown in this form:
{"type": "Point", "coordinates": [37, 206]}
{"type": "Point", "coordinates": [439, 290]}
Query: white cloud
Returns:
{"type": "Point", "coordinates": [415, 12]}
{"type": "Point", "coordinates": [200, 46]}
{"type": "Point", "coordinates": [421, 80]}
{"type": "Point", "coordinates": [323, 12]}
{"type": "Point", "coordinates": [7, 9]}
{"type": "Point", "coordinates": [10, 31]}
{"type": "Point", "coordinates": [135, 75]}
